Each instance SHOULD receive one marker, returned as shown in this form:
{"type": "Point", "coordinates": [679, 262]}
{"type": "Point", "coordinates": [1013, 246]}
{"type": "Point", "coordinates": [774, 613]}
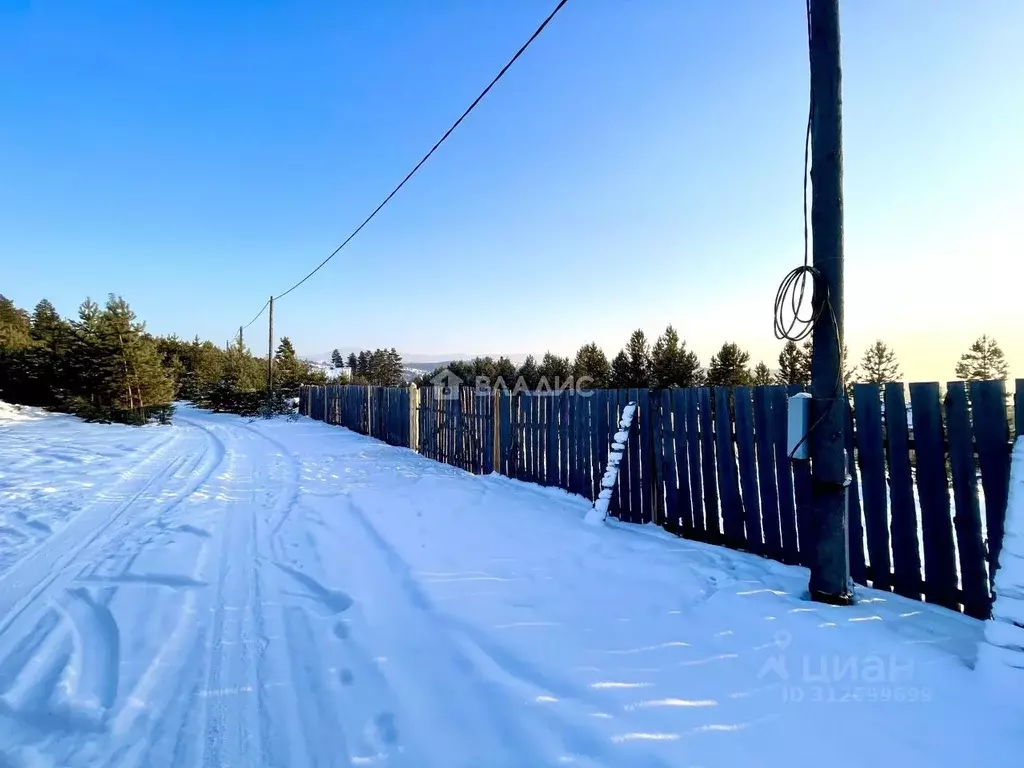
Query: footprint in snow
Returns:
{"type": "Point", "coordinates": [386, 730]}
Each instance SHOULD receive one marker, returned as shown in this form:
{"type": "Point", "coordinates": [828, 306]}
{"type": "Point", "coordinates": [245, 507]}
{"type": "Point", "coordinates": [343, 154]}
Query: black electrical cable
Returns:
{"type": "Point", "coordinates": [258, 315]}
{"type": "Point", "coordinates": [433, 149]}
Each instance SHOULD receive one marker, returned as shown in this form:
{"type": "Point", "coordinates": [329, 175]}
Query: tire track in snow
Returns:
{"type": "Point", "coordinates": [142, 723]}
{"type": "Point", "coordinates": [232, 728]}
{"type": "Point", "coordinates": [345, 708]}
{"type": "Point", "coordinates": [23, 583]}
{"type": "Point", "coordinates": [301, 726]}
{"type": "Point", "coordinates": [85, 691]}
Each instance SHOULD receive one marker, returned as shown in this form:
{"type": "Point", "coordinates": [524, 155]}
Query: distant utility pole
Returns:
{"type": "Point", "coordinates": [830, 555]}
{"type": "Point", "coordinates": [240, 337]}
{"type": "Point", "coordinates": [270, 354]}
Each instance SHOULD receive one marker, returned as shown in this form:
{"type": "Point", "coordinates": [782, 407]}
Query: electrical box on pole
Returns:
{"type": "Point", "coordinates": [799, 413]}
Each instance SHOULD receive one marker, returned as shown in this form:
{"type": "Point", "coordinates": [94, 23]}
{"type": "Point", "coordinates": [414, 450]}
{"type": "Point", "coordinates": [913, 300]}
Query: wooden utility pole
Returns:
{"type": "Point", "coordinates": [240, 338]}
{"type": "Point", "coordinates": [270, 354]}
{"type": "Point", "coordinates": [830, 555]}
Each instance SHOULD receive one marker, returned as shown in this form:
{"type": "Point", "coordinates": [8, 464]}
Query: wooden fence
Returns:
{"type": "Point", "coordinates": [711, 465]}
{"type": "Point", "coordinates": [380, 412]}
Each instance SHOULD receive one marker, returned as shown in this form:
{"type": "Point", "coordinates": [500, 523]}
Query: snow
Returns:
{"type": "Point", "coordinates": [1001, 656]}
{"type": "Point", "coordinates": [599, 512]}
{"type": "Point", "coordinates": [9, 413]}
{"type": "Point", "coordinates": [225, 592]}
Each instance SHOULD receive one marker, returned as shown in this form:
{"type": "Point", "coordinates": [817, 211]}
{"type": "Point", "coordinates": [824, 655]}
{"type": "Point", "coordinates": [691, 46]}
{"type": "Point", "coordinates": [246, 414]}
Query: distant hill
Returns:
{"type": "Point", "coordinates": [421, 362]}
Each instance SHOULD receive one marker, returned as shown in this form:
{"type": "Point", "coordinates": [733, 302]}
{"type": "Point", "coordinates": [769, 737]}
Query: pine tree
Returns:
{"type": "Point", "coordinates": [984, 361]}
{"type": "Point", "coordinates": [762, 375]}
{"type": "Point", "coordinates": [663, 359]}
{"type": "Point", "coordinates": [555, 371]}
{"type": "Point", "coordinates": [729, 367]}
{"type": "Point", "coordinates": [353, 362]}
{"type": "Point", "coordinates": [485, 370]}
{"type": "Point", "coordinates": [504, 373]}
{"type": "Point", "coordinates": [879, 364]}
{"type": "Point", "coordinates": [362, 369]}
{"type": "Point", "coordinates": [393, 369]}
{"type": "Point", "coordinates": [47, 357]}
{"type": "Point", "coordinates": [672, 364]}
{"type": "Point", "coordinates": [288, 370]}
{"type": "Point", "coordinates": [591, 367]}
{"type": "Point", "coordinates": [620, 378]}
{"type": "Point", "coordinates": [794, 367]}
{"type": "Point", "coordinates": [638, 353]}
{"type": "Point", "coordinates": [528, 374]}
{"type": "Point", "coordinates": [337, 361]}
{"type": "Point", "coordinates": [15, 341]}
{"type": "Point", "coordinates": [807, 354]}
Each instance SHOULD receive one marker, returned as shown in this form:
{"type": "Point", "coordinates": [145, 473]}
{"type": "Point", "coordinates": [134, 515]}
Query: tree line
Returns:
{"type": "Point", "coordinates": [669, 362]}
{"type": "Point", "coordinates": [103, 365]}
{"type": "Point", "coordinates": [377, 368]}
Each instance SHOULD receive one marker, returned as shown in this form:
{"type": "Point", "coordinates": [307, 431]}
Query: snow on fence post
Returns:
{"type": "Point", "coordinates": [1001, 653]}
{"type": "Point", "coordinates": [414, 416]}
{"type": "Point", "coordinates": [599, 512]}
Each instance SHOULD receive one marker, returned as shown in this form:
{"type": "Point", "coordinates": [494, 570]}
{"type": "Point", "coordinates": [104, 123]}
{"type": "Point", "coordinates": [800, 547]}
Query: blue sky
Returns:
{"type": "Point", "coordinates": [640, 165]}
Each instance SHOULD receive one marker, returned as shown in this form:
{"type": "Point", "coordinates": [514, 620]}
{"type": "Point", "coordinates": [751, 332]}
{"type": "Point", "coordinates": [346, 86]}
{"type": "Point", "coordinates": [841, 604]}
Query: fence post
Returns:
{"type": "Point", "coordinates": [414, 414]}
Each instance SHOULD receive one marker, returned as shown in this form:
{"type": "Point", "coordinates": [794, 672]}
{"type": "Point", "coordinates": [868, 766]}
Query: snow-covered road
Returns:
{"type": "Point", "coordinates": [227, 593]}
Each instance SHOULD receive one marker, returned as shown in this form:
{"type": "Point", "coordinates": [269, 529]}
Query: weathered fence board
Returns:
{"type": "Point", "coordinates": [784, 476]}
{"type": "Point", "coordinates": [858, 565]}
{"type": "Point", "coordinates": [867, 400]}
{"type": "Point", "coordinates": [766, 478]}
{"type": "Point", "coordinates": [712, 519]}
{"type": "Point", "coordinates": [933, 491]}
{"type": "Point", "coordinates": [992, 434]}
{"type": "Point", "coordinates": [967, 520]}
{"type": "Point", "coordinates": [728, 482]}
{"type": "Point", "coordinates": [907, 573]}
{"type": "Point", "coordinates": [668, 453]}
{"type": "Point", "coordinates": [683, 496]}
{"type": "Point", "coordinates": [696, 464]}
{"type": "Point", "coordinates": [746, 452]}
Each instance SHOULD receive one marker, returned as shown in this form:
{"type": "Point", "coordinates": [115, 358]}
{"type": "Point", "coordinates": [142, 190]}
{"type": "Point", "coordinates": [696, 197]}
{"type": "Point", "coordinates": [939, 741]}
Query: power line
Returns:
{"type": "Point", "coordinates": [433, 149]}
{"type": "Point", "coordinates": [257, 315]}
